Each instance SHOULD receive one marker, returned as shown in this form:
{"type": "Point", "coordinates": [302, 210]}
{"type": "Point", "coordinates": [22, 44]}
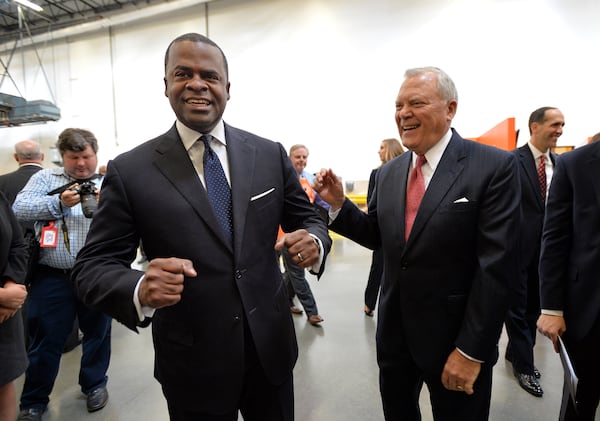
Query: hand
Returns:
{"type": "Point", "coordinates": [330, 188]}
{"type": "Point", "coordinates": [163, 283]}
{"type": "Point", "coordinates": [460, 373]}
{"type": "Point", "coordinates": [301, 246]}
{"type": "Point", "coordinates": [6, 313]}
{"type": "Point", "coordinates": [12, 295]}
{"type": "Point", "coordinates": [552, 327]}
{"type": "Point", "coordinates": [70, 197]}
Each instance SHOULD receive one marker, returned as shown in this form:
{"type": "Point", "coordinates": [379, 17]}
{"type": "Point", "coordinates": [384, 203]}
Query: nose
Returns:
{"type": "Point", "coordinates": [196, 83]}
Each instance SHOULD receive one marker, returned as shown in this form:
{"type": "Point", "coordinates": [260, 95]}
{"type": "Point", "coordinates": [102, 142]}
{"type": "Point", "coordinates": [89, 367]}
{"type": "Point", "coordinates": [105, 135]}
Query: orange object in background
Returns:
{"type": "Point", "coordinates": [503, 135]}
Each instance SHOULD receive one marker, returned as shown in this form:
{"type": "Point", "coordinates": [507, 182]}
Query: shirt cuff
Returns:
{"type": "Point", "coordinates": [317, 266]}
{"type": "Point", "coordinates": [333, 214]}
{"type": "Point", "coordinates": [142, 311]}
{"type": "Point", "coordinates": [468, 357]}
{"type": "Point", "coordinates": [553, 312]}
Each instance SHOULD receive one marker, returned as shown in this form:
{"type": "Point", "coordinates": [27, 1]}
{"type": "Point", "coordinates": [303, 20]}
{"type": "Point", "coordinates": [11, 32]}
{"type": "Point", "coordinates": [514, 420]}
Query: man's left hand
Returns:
{"type": "Point", "coordinates": [460, 373]}
{"type": "Point", "coordinates": [301, 246]}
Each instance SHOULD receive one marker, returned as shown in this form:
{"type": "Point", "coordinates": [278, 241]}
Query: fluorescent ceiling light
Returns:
{"type": "Point", "coordinates": [30, 5]}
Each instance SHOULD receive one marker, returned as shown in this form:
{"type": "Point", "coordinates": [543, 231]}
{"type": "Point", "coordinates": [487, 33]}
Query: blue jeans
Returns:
{"type": "Point", "coordinates": [294, 276]}
{"type": "Point", "coordinates": [51, 310]}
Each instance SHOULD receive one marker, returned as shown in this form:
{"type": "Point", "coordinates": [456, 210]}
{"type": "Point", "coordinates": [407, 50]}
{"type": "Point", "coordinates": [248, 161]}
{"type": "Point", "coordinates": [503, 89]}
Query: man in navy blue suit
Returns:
{"type": "Point", "coordinates": [536, 163]}
{"type": "Point", "coordinates": [570, 271]}
{"type": "Point", "coordinates": [446, 281]}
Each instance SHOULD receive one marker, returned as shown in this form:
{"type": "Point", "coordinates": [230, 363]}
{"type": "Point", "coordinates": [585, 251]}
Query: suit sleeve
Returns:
{"type": "Point", "coordinates": [496, 268]}
{"type": "Point", "coordinates": [556, 240]}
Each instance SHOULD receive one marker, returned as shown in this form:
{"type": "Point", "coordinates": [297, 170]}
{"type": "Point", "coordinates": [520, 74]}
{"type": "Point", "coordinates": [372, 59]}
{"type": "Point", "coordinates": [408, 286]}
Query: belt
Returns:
{"type": "Point", "coordinates": [50, 269]}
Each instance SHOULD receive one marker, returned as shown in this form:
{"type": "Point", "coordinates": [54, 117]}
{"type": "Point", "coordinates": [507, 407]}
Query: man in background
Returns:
{"type": "Point", "coordinates": [52, 200]}
{"type": "Point", "coordinates": [294, 275]}
{"type": "Point", "coordinates": [29, 156]}
{"type": "Point", "coordinates": [570, 274]}
{"type": "Point", "coordinates": [536, 163]}
{"type": "Point", "coordinates": [446, 217]}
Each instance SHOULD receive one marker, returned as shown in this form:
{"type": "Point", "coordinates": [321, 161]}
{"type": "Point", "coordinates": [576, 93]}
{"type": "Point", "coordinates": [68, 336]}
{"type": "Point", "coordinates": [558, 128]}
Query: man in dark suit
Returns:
{"type": "Point", "coordinates": [569, 273]}
{"type": "Point", "coordinates": [536, 162]}
{"type": "Point", "coordinates": [223, 334]}
{"type": "Point", "coordinates": [29, 156]}
{"type": "Point", "coordinates": [446, 281]}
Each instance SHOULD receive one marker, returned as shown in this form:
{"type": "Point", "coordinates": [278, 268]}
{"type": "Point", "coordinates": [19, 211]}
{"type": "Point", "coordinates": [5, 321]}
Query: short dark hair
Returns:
{"type": "Point", "coordinates": [76, 140]}
{"type": "Point", "coordinates": [194, 37]}
{"type": "Point", "coordinates": [538, 116]}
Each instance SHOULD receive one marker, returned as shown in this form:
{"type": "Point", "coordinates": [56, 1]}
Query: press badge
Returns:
{"type": "Point", "coordinates": [49, 236]}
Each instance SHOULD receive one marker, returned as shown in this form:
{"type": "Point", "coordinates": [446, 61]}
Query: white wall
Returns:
{"type": "Point", "coordinates": [326, 72]}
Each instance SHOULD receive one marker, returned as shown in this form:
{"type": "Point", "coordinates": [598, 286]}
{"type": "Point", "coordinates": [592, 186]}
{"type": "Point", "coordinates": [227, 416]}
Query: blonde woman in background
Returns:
{"type": "Point", "coordinates": [388, 150]}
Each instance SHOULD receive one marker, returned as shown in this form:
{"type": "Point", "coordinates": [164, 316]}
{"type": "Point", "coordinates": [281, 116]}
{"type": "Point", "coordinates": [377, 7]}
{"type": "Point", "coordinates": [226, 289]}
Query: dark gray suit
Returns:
{"type": "Point", "coordinates": [12, 183]}
{"type": "Point", "coordinates": [525, 302]}
{"type": "Point", "coordinates": [447, 286]}
{"type": "Point", "coordinates": [570, 268]}
{"type": "Point", "coordinates": [153, 193]}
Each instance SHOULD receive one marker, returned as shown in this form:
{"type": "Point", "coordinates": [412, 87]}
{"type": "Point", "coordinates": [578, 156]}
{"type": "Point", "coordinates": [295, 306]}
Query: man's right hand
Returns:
{"type": "Point", "coordinates": [163, 283]}
{"type": "Point", "coordinates": [330, 188]}
{"type": "Point", "coordinates": [552, 327]}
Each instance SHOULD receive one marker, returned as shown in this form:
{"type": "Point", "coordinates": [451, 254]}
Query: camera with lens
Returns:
{"type": "Point", "coordinates": [87, 193]}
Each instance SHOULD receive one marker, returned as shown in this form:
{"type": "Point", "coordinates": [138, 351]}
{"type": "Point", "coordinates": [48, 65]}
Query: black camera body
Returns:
{"type": "Point", "coordinates": [87, 193]}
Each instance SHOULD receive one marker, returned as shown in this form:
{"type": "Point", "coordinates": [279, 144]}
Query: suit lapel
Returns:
{"type": "Point", "coordinates": [242, 164]}
{"type": "Point", "coordinates": [448, 169]}
{"type": "Point", "coordinates": [173, 161]}
{"type": "Point", "coordinates": [594, 173]}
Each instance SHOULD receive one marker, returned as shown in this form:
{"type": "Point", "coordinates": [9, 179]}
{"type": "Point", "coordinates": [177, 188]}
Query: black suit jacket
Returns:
{"type": "Point", "coordinates": [12, 183]}
{"type": "Point", "coordinates": [532, 208]}
{"type": "Point", "coordinates": [570, 256]}
{"type": "Point", "coordinates": [447, 286]}
{"type": "Point", "coordinates": [153, 194]}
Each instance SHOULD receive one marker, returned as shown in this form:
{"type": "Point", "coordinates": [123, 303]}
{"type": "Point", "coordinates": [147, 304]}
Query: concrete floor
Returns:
{"type": "Point", "coordinates": [336, 375]}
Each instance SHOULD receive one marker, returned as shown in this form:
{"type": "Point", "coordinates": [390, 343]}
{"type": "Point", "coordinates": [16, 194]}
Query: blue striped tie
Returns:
{"type": "Point", "coordinates": [217, 188]}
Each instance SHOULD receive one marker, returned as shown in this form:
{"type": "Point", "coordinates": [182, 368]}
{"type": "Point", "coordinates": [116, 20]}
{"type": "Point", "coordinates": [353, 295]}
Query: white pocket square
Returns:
{"type": "Point", "coordinates": [461, 200]}
{"type": "Point", "coordinates": [258, 196]}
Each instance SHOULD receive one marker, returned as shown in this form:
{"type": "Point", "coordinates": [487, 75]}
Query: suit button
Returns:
{"type": "Point", "coordinates": [404, 266]}
{"type": "Point", "coordinates": [237, 318]}
{"type": "Point", "coordinates": [238, 274]}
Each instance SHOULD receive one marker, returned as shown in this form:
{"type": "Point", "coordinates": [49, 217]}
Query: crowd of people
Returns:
{"type": "Point", "coordinates": [466, 238]}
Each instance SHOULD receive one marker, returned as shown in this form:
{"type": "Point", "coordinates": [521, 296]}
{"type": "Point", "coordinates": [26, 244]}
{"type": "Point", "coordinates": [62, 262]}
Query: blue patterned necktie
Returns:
{"type": "Point", "coordinates": [217, 188]}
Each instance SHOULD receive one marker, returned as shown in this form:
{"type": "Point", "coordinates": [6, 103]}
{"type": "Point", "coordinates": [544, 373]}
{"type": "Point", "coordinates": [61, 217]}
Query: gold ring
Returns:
{"type": "Point", "coordinates": [459, 387]}
{"type": "Point", "coordinates": [300, 258]}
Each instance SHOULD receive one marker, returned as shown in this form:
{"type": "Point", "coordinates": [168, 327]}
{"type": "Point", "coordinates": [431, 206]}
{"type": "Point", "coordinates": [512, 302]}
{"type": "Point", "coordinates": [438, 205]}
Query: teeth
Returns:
{"type": "Point", "coordinates": [198, 101]}
{"type": "Point", "coordinates": [409, 127]}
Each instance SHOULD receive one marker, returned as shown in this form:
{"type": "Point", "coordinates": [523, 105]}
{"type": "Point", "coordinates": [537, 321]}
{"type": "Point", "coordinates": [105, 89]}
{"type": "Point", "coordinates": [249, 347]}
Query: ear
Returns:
{"type": "Point", "coordinates": [451, 107]}
{"type": "Point", "coordinates": [227, 89]}
{"type": "Point", "coordinates": [166, 86]}
{"type": "Point", "coordinates": [16, 157]}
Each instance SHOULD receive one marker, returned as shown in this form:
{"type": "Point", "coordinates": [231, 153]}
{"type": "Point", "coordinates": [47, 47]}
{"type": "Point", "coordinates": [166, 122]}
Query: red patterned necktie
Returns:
{"type": "Point", "coordinates": [541, 170]}
{"type": "Point", "coordinates": [414, 194]}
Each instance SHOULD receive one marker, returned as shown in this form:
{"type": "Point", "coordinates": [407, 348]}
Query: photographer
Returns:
{"type": "Point", "coordinates": [53, 198]}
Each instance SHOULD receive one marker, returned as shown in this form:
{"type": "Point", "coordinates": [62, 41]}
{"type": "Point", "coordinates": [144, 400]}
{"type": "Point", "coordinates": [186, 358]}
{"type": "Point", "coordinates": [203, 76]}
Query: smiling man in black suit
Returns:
{"type": "Point", "coordinates": [446, 217]}
{"type": "Point", "coordinates": [223, 334]}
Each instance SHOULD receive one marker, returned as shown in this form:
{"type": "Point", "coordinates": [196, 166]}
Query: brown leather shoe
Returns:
{"type": "Point", "coordinates": [295, 310]}
{"type": "Point", "coordinates": [315, 319]}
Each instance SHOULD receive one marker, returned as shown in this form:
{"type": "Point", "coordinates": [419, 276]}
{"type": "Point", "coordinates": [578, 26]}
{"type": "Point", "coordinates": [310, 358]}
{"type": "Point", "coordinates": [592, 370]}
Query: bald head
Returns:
{"type": "Point", "coordinates": [28, 151]}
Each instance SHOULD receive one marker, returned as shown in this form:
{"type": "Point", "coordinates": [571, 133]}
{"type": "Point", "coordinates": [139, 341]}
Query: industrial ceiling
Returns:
{"type": "Point", "coordinates": [19, 21]}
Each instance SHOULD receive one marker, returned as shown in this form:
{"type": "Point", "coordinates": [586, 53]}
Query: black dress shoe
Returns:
{"type": "Point", "coordinates": [529, 383]}
{"type": "Point", "coordinates": [537, 373]}
{"type": "Point", "coordinates": [31, 414]}
{"type": "Point", "coordinates": [97, 399]}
